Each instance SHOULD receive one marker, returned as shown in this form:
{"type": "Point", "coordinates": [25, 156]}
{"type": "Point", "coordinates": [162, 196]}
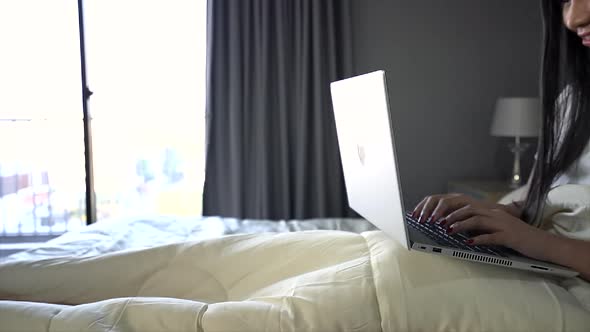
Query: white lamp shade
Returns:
{"type": "Point", "coordinates": [517, 117]}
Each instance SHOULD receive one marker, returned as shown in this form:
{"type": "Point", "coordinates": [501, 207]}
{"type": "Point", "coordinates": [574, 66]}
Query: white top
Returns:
{"type": "Point", "coordinates": [579, 172]}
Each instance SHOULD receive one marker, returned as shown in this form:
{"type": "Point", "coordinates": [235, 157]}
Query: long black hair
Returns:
{"type": "Point", "coordinates": [565, 100]}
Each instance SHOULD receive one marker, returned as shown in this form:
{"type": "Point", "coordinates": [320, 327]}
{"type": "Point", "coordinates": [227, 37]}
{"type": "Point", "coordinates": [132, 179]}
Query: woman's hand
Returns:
{"type": "Point", "coordinates": [498, 227]}
{"type": "Point", "coordinates": [433, 208]}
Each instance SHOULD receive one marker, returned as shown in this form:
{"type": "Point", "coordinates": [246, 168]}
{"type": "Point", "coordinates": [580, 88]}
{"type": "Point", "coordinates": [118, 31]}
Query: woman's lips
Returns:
{"type": "Point", "coordinates": [585, 35]}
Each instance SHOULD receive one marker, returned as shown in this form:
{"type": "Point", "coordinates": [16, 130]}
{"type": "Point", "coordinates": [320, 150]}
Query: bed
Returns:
{"type": "Point", "coordinates": [214, 274]}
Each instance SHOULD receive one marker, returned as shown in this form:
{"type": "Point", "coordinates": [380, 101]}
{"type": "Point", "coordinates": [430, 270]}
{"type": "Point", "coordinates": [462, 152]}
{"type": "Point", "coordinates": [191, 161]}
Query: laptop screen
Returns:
{"type": "Point", "coordinates": [366, 142]}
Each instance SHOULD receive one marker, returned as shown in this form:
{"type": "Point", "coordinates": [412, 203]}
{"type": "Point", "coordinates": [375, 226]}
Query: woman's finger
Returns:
{"type": "Point", "coordinates": [428, 207]}
{"type": "Point", "coordinates": [419, 207]}
{"type": "Point", "coordinates": [465, 213]}
{"type": "Point", "coordinates": [448, 204]}
{"type": "Point", "coordinates": [475, 223]}
{"type": "Point", "coordinates": [497, 238]}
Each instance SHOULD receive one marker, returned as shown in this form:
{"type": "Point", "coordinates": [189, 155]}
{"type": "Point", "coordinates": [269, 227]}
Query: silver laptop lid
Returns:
{"type": "Point", "coordinates": [367, 150]}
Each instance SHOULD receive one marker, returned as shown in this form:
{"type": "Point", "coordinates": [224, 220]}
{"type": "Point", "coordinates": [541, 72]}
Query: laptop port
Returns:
{"type": "Point", "coordinates": [539, 267]}
{"type": "Point", "coordinates": [436, 250]}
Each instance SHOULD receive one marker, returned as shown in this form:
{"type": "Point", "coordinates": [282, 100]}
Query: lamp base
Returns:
{"type": "Point", "coordinates": [517, 148]}
{"type": "Point", "coordinates": [515, 184]}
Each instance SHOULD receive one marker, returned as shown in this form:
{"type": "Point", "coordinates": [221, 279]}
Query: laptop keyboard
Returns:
{"type": "Point", "coordinates": [439, 235]}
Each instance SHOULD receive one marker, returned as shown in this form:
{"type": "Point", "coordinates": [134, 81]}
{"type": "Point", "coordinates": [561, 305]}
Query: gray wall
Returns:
{"type": "Point", "coordinates": [447, 62]}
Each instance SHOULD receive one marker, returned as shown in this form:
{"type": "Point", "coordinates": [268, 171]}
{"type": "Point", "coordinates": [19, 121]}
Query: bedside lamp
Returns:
{"type": "Point", "coordinates": [517, 117]}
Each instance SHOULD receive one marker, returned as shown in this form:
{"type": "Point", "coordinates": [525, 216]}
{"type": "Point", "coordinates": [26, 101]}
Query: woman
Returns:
{"type": "Point", "coordinates": [562, 147]}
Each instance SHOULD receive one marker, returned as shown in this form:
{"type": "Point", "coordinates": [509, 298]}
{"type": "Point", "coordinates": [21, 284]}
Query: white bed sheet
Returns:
{"type": "Point", "coordinates": [169, 274]}
{"type": "Point", "coordinates": [117, 234]}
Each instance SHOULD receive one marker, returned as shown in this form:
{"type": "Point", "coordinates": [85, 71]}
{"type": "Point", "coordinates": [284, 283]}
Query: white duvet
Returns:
{"type": "Point", "coordinates": [301, 281]}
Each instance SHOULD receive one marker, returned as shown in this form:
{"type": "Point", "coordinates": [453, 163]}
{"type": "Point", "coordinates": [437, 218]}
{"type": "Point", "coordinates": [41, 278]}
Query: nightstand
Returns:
{"type": "Point", "coordinates": [485, 190]}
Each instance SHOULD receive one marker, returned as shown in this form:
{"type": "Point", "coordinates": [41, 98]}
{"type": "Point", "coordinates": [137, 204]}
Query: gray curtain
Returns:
{"type": "Point", "coordinates": [272, 150]}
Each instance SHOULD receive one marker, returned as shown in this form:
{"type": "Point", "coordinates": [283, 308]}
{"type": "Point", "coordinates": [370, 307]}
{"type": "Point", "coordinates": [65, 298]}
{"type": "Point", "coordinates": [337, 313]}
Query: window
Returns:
{"type": "Point", "coordinates": [41, 134]}
{"type": "Point", "coordinates": [146, 67]}
{"type": "Point", "coordinates": [145, 63]}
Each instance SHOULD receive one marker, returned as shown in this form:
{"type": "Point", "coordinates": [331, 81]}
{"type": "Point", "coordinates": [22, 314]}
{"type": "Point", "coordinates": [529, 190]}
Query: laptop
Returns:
{"type": "Point", "coordinates": [369, 161]}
